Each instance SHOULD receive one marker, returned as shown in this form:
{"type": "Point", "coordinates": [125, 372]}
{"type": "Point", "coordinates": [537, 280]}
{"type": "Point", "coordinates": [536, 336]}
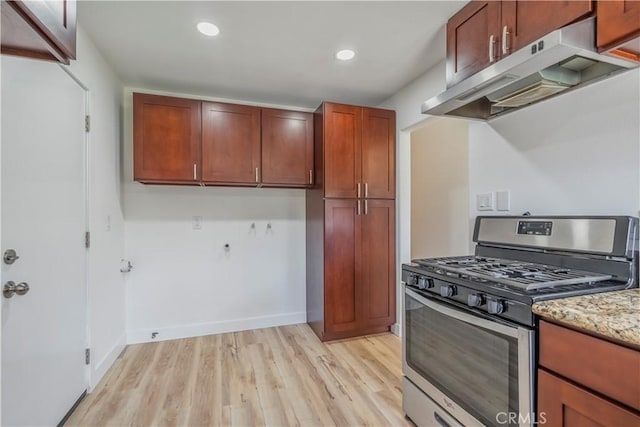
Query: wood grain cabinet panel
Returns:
{"type": "Point", "coordinates": [342, 150]}
{"type": "Point", "coordinates": [230, 144]}
{"type": "Point", "coordinates": [287, 148]}
{"type": "Point", "coordinates": [378, 153]}
{"type": "Point", "coordinates": [166, 139]}
{"type": "Point", "coordinates": [342, 257]}
{"type": "Point", "coordinates": [617, 22]}
{"type": "Point", "coordinates": [563, 404]}
{"type": "Point", "coordinates": [39, 29]}
{"type": "Point", "coordinates": [469, 36]}
{"type": "Point", "coordinates": [378, 263]}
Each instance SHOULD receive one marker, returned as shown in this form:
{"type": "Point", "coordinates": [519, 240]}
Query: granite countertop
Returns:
{"type": "Point", "coordinates": [611, 314]}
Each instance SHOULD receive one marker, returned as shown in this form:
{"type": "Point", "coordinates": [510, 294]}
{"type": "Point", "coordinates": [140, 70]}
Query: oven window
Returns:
{"type": "Point", "coordinates": [475, 367]}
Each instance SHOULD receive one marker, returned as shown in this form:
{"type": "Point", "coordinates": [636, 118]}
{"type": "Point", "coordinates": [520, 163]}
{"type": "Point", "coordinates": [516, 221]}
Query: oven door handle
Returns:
{"type": "Point", "coordinates": [464, 317]}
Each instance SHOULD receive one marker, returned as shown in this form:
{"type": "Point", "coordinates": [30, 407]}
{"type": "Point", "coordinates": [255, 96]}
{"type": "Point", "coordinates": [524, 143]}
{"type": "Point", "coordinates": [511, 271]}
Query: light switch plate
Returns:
{"type": "Point", "coordinates": [503, 202]}
{"type": "Point", "coordinates": [484, 202]}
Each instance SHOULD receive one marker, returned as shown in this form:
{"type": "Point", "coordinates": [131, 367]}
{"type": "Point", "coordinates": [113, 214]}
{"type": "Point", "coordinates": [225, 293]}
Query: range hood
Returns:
{"type": "Point", "coordinates": [559, 62]}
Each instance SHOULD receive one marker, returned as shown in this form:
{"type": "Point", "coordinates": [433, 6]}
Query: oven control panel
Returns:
{"type": "Point", "coordinates": [535, 228]}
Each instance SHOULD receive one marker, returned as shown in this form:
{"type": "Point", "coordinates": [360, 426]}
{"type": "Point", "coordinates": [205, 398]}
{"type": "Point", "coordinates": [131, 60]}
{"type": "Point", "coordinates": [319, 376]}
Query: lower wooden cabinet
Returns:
{"type": "Point", "coordinates": [586, 381]}
{"type": "Point", "coordinates": [563, 404]}
{"type": "Point", "coordinates": [354, 292]}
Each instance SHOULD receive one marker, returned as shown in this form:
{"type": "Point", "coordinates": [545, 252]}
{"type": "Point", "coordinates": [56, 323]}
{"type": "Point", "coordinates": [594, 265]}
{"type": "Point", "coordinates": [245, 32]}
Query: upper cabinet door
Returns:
{"type": "Point", "coordinates": [287, 148]}
{"type": "Point", "coordinates": [342, 150]}
{"type": "Point", "coordinates": [40, 29]}
{"type": "Point", "coordinates": [378, 153]}
{"type": "Point", "coordinates": [230, 144]}
{"type": "Point", "coordinates": [166, 139]}
{"type": "Point", "coordinates": [617, 22]}
{"type": "Point", "coordinates": [526, 21]}
{"type": "Point", "coordinates": [472, 39]}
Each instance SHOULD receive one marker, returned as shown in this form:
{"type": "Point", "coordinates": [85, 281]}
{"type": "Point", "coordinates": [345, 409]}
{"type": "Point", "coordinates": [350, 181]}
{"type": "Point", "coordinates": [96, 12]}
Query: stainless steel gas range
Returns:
{"type": "Point", "coordinates": [469, 335]}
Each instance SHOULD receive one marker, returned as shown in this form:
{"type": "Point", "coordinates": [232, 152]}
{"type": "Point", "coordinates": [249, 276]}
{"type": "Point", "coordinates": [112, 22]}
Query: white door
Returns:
{"type": "Point", "coordinates": [43, 220]}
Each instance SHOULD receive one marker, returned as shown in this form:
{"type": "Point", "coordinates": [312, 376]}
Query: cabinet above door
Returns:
{"type": "Point", "coordinates": [39, 29]}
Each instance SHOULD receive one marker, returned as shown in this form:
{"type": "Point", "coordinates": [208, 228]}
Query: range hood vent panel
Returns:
{"type": "Point", "coordinates": [569, 60]}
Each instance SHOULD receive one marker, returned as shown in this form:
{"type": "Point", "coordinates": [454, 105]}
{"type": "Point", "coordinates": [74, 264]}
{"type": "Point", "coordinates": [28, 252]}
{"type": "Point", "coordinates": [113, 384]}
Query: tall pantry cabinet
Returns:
{"type": "Point", "coordinates": [351, 222]}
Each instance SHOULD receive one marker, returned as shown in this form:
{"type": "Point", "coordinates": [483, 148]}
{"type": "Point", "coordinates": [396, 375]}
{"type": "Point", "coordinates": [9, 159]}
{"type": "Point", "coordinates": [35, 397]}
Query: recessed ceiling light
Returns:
{"type": "Point", "coordinates": [345, 55]}
{"type": "Point", "coordinates": [208, 29]}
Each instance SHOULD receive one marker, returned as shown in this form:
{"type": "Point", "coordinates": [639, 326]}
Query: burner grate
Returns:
{"type": "Point", "coordinates": [518, 274]}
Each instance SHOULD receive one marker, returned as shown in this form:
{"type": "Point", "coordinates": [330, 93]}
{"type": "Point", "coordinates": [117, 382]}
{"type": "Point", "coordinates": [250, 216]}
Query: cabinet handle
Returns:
{"type": "Point", "coordinates": [366, 206]}
{"type": "Point", "coordinates": [358, 206]}
{"type": "Point", "coordinates": [310, 176]}
{"type": "Point", "coordinates": [257, 176]}
{"type": "Point", "coordinates": [366, 190]}
{"type": "Point", "coordinates": [195, 172]}
{"type": "Point", "coordinates": [359, 192]}
{"type": "Point", "coordinates": [505, 35]}
{"type": "Point", "coordinates": [492, 42]}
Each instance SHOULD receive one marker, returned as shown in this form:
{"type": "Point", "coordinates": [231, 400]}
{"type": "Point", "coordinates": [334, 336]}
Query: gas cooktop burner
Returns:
{"type": "Point", "coordinates": [523, 275]}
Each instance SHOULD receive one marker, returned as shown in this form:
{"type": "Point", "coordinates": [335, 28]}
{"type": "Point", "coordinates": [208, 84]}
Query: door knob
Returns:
{"type": "Point", "coordinates": [11, 288]}
{"type": "Point", "coordinates": [10, 256]}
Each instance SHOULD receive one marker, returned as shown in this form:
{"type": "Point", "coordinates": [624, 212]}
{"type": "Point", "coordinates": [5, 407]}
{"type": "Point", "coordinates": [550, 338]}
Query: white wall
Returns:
{"type": "Point", "coordinates": [440, 189]}
{"type": "Point", "coordinates": [106, 284]}
{"type": "Point", "coordinates": [183, 282]}
{"type": "Point", "coordinates": [575, 154]}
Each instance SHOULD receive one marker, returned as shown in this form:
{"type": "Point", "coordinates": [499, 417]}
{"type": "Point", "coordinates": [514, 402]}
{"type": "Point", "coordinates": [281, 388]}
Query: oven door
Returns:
{"type": "Point", "coordinates": [477, 369]}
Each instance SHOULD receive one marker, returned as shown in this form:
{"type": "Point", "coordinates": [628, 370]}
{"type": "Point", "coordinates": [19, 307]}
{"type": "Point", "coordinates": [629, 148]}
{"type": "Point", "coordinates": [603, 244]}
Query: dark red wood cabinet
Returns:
{"type": "Point", "coordinates": [351, 223]}
{"type": "Point", "coordinates": [230, 144]}
{"type": "Point", "coordinates": [618, 21]}
{"type": "Point", "coordinates": [186, 141]}
{"type": "Point", "coordinates": [485, 31]}
{"type": "Point", "coordinates": [584, 380]}
{"type": "Point", "coordinates": [166, 134]}
{"type": "Point", "coordinates": [41, 29]}
{"type": "Point", "coordinates": [287, 148]}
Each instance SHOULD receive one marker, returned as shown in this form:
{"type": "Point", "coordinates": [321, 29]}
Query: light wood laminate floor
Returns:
{"type": "Point", "coordinates": [280, 376]}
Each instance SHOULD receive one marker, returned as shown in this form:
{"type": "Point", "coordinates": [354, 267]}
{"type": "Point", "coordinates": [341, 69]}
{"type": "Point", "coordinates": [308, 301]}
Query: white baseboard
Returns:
{"type": "Point", "coordinates": [396, 329]}
{"type": "Point", "coordinates": [100, 368]}
{"type": "Point", "coordinates": [211, 328]}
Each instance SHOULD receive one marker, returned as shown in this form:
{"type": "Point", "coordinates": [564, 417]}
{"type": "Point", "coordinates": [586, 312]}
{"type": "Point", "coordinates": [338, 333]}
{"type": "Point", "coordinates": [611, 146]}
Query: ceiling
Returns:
{"type": "Point", "coordinates": [270, 52]}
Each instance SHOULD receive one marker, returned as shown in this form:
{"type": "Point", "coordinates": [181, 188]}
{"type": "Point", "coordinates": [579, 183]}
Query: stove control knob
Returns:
{"type": "Point", "coordinates": [447, 290]}
{"type": "Point", "coordinates": [424, 283]}
{"type": "Point", "coordinates": [495, 306]}
{"type": "Point", "coordinates": [412, 279]}
{"type": "Point", "coordinates": [475, 300]}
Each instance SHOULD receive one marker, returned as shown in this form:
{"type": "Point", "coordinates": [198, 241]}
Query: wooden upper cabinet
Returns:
{"type": "Point", "coordinates": [287, 148]}
{"type": "Point", "coordinates": [526, 21]}
{"type": "Point", "coordinates": [486, 31]}
{"type": "Point", "coordinates": [342, 150]}
{"type": "Point", "coordinates": [617, 22]}
{"type": "Point", "coordinates": [359, 152]}
{"type": "Point", "coordinates": [40, 29]}
{"type": "Point", "coordinates": [166, 139]}
{"type": "Point", "coordinates": [230, 144]}
{"type": "Point", "coordinates": [471, 34]}
{"type": "Point", "coordinates": [378, 260]}
{"type": "Point", "coordinates": [378, 153]}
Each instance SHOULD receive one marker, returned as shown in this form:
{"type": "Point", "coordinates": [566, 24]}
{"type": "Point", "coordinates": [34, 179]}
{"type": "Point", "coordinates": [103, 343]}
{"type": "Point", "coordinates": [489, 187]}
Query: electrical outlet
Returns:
{"type": "Point", "coordinates": [502, 201]}
{"type": "Point", "coordinates": [108, 224]}
{"type": "Point", "coordinates": [197, 223]}
{"type": "Point", "coordinates": [484, 202]}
